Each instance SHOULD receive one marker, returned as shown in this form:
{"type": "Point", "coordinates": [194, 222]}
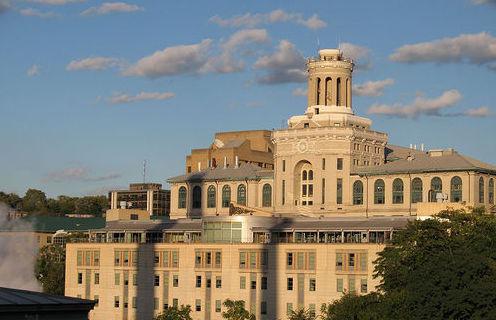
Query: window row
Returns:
{"type": "Point", "coordinates": [208, 259]}
{"type": "Point", "coordinates": [88, 258]}
{"type": "Point", "coordinates": [226, 198]}
{"type": "Point", "coordinates": [253, 259]}
{"type": "Point", "coordinates": [351, 262]}
{"type": "Point", "coordinates": [301, 260]}
{"type": "Point", "coordinates": [352, 285]}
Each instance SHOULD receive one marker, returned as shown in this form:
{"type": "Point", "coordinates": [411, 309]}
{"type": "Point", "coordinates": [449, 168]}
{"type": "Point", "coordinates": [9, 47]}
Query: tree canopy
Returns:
{"type": "Point", "coordinates": [236, 310]}
{"type": "Point", "coordinates": [50, 269]}
{"type": "Point", "coordinates": [175, 313]}
{"type": "Point", "coordinates": [439, 268]}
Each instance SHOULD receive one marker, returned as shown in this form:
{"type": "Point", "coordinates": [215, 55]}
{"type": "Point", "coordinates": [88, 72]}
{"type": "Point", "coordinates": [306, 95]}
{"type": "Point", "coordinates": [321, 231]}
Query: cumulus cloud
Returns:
{"type": "Point", "coordinates": [226, 61]}
{"type": "Point", "coordinates": [77, 174]}
{"type": "Point", "coordinates": [300, 92]}
{"type": "Point", "coordinates": [360, 55]}
{"type": "Point", "coordinates": [372, 88]}
{"type": "Point", "coordinates": [56, 2]}
{"type": "Point", "coordinates": [481, 112]}
{"type": "Point", "coordinates": [93, 63]}
{"type": "Point", "coordinates": [182, 59]}
{"type": "Point", "coordinates": [4, 6]}
{"type": "Point", "coordinates": [252, 20]}
{"type": "Point", "coordinates": [285, 65]}
{"type": "Point", "coordinates": [420, 106]}
{"type": "Point", "coordinates": [30, 12]}
{"type": "Point", "coordinates": [34, 70]}
{"type": "Point", "coordinates": [477, 49]}
{"type": "Point", "coordinates": [110, 7]}
{"type": "Point", "coordinates": [121, 98]}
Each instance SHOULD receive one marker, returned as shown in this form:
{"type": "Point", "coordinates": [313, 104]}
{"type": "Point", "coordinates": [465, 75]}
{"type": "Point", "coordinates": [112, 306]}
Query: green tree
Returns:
{"type": "Point", "coordinates": [236, 310]}
{"type": "Point", "coordinates": [302, 314]}
{"type": "Point", "coordinates": [35, 201]}
{"type": "Point", "coordinates": [50, 269]}
{"type": "Point", "coordinates": [175, 313]}
{"type": "Point", "coordinates": [439, 268]}
{"type": "Point", "coordinates": [11, 199]}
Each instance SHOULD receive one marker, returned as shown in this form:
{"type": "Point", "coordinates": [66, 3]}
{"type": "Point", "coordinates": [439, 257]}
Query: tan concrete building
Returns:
{"type": "Point", "coordinates": [293, 236]}
{"type": "Point", "coordinates": [146, 196]}
{"type": "Point", "coordinates": [231, 149]}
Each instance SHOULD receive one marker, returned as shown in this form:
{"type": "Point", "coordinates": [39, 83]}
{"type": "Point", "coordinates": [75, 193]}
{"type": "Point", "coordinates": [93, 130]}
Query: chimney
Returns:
{"type": "Point", "coordinates": [237, 162]}
{"type": "Point", "coordinates": [199, 165]}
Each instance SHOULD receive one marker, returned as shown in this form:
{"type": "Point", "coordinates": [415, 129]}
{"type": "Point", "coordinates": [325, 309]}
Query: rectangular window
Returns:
{"type": "Point", "coordinates": [283, 192]}
{"type": "Point", "coordinates": [264, 283]}
{"type": "Point", "coordinates": [116, 302]}
{"type": "Point", "coordinates": [175, 302]}
{"type": "Point", "coordinates": [135, 279]}
{"type": "Point", "coordinates": [363, 262]}
{"type": "Point", "coordinates": [156, 258]}
{"type": "Point", "coordinates": [208, 258]}
{"type": "Point", "coordinates": [134, 303]}
{"type": "Point", "coordinates": [175, 259]}
{"type": "Point", "coordinates": [289, 259]}
{"type": "Point", "coordinates": [242, 260]}
{"type": "Point", "coordinates": [263, 307]}
{"type": "Point", "coordinates": [208, 283]}
{"type": "Point", "coordinates": [97, 299]}
{"type": "Point", "coordinates": [156, 280]}
{"type": "Point", "coordinates": [79, 258]}
{"type": "Point", "coordinates": [311, 310]}
{"type": "Point", "coordinates": [198, 259]}
{"type": "Point", "coordinates": [218, 282]}
{"type": "Point", "coordinates": [339, 191]}
{"type": "Point", "coordinates": [218, 259]}
{"type": "Point", "coordinates": [351, 260]}
{"type": "Point", "coordinates": [339, 261]}
{"type": "Point", "coordinates": [339, 164]}
{"type": "Point", "coordinates": [198, 281]}
{"type": "Point", "coordinates": [283, 165]}
{"type": "Point", "coordinates": [311, 260]}
{"type": "Point", "coordinates": [323, 163]}
{"type": "Point", "coordinates": [175, 280]}
{"type": "Point", "coordinates": [300, 260]}
{"type": "Point", "coordinates": [96, 258]}
{"type": "Point", "coordinates": [339, 285]}
{"type": "Point", "coordinates": [126, 258]}
{"type": "Point", "coordinates": [242, 282]}
{"type": "Point", "coordinates": [351, 284]}
{"type": "Point", "coordinates": [198, 305]}
{"type": "Point", "coordinates": [264, 260]}
{"type": "Point", "coordinates": [97, 278]}
{"type": "Point", "coordinates": [218, 306]}
{"type": "Point", "coordinates": [289, 284]}
{"type": "Point", "coordinates": [80, 278]}
{"type": "Point", "coordinates": [253, 260]}
{"type": "Point", "coordinates": [323, 190]}
{"type": "Point", "coordinates": [87, 258]}
{"type": "Point", "coordinates": [126, 279]}
{"type": "Point", "coordinates": [166, 306]}
{"type": "Point", "coordinates": [253, 284]}
{"type": "Point", "coordinates": [363, 285]}
{"type": "Point", "coordinates": [289, 309]}
{"type": "Point", "coordinates": [117, 279]}
{"type": "Point", "coordinates": [155, 303]}
{"type": "Point", "coordinates": [312, 284]}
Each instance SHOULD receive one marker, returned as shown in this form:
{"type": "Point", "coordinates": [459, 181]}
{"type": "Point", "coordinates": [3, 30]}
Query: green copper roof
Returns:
{"type": "Point", "coordinates": [52, 224]}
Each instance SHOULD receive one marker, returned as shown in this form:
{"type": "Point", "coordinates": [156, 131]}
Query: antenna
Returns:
{"type": "Point", "coordinates": [144, 171]}
{"type": "Point", "coordinates": [318, 44]}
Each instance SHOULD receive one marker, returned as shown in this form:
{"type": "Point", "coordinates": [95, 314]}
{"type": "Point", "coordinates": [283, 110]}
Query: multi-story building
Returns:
{"type": "Point", "coordinates": [294, 236]}
{"type": "Point", "coordinates": [146, 196]}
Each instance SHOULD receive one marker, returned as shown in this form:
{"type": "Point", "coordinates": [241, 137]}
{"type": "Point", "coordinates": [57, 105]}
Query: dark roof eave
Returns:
{"type": "Point", "coordinates": [385, 172]}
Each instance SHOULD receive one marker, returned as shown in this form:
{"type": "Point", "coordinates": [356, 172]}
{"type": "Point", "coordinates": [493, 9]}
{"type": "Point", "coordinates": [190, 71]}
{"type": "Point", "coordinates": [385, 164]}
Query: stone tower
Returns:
{"type": "Point", "coordinates": [316, 154]}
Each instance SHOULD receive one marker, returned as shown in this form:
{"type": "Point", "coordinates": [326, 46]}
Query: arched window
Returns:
{"type": "Point", "coordinates": [306, 191]}
{"type": "Point", "coordinates": [197, 197]}
{"type": "Point", "coordinates": [358, 192]}
{"type": "Point", "coordinates": [491, 191]}
{"type": "Point", "coordinates": [328, 91]}
{"type": "Point", "coordinates": [338, 92]}
{"type": "Point", "coordinates": [267, 195]}
{"type": "Point", "coordinates": [417, 190]}
{"type": "Point", "coordinates": [398, 190]}
{"type": "Point", "coordinates": [310, 175]}
{"type": "Point", "coordinates": [304, 175]}
{"type": "Point", "coordinates": [436, 187]}
{"type": "Point", "coordinates": [456, 189]}
{"type": "Point", "coordinates": [241, 195]}
{"type": "Point", "coordinates": [481, 190]}
{"type": "Point", "coordinates": [226, 196]}
{"type": "Point", "coordinates": [318, 91]}
{"type": "Point", "coordinates": [181, 198]}
{"type": "Point", "coordinates": [211, 197]}
{"type": "Point", "coordinates": [379, 191]}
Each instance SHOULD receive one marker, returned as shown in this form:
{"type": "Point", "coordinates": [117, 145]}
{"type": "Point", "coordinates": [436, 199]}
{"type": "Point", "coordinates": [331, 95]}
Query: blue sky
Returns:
{"type": "Point", "coordinates": [88, 89]}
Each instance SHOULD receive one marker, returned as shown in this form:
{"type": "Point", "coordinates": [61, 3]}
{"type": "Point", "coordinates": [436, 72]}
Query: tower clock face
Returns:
{"type": "Point", "coordinates": [302, 146]}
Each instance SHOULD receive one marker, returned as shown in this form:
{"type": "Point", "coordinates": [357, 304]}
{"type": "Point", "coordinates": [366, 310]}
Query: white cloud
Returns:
{"type": "Point", "coordinates": [251, 20]}
{"type": "Point", "coordinates": [360, 55]}
{"type": "Point", "coordinates": [419, 106]}
{"type": "Point", "coordinates": [142, 96]}
{"type": "Point", "coordinates": [93, 63]}
{"type": "Point", "coordinates": [56, 2]}
{"type": "Point", "coordinates": [226, 61]}
{"type": "Point", "coordinates": [481, 112]}
{"type": "Point", "coordinates": [372, 88]}
{"type": "Point", "coordinates": [182, 59]}
{"type": "Point", "coordinates": [30, 12]}
{"type": "Point", "coordinates": [477, 2]}
{"type": "Point", "coordinates": [4, 6]}
{"type": "Point", "coordinates": [477, 48]}
{"type": "Point", "coordinates": [300, 92]}
{"type": "Point", "coordinates": [77, 174]}
{"type": "Point", "coordinates": [34, 70]}
{"type": "Point", "coordinates": [285, 65]}
{"type": "Point", "coordinates": [110, 7]}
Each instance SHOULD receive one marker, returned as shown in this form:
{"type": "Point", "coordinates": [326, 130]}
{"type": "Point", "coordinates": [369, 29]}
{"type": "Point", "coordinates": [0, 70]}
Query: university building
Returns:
{"type": "Point", "coordinates": [289, 222]}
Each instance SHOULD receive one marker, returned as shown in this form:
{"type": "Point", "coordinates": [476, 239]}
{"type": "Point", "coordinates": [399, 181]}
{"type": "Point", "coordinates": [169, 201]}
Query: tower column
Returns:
{"type": "Point", "coordinates": [323, 98]}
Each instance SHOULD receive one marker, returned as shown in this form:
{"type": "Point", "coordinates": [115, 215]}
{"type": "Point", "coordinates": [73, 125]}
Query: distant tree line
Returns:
{"type": "Point", "coordinates": [36, 202]}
